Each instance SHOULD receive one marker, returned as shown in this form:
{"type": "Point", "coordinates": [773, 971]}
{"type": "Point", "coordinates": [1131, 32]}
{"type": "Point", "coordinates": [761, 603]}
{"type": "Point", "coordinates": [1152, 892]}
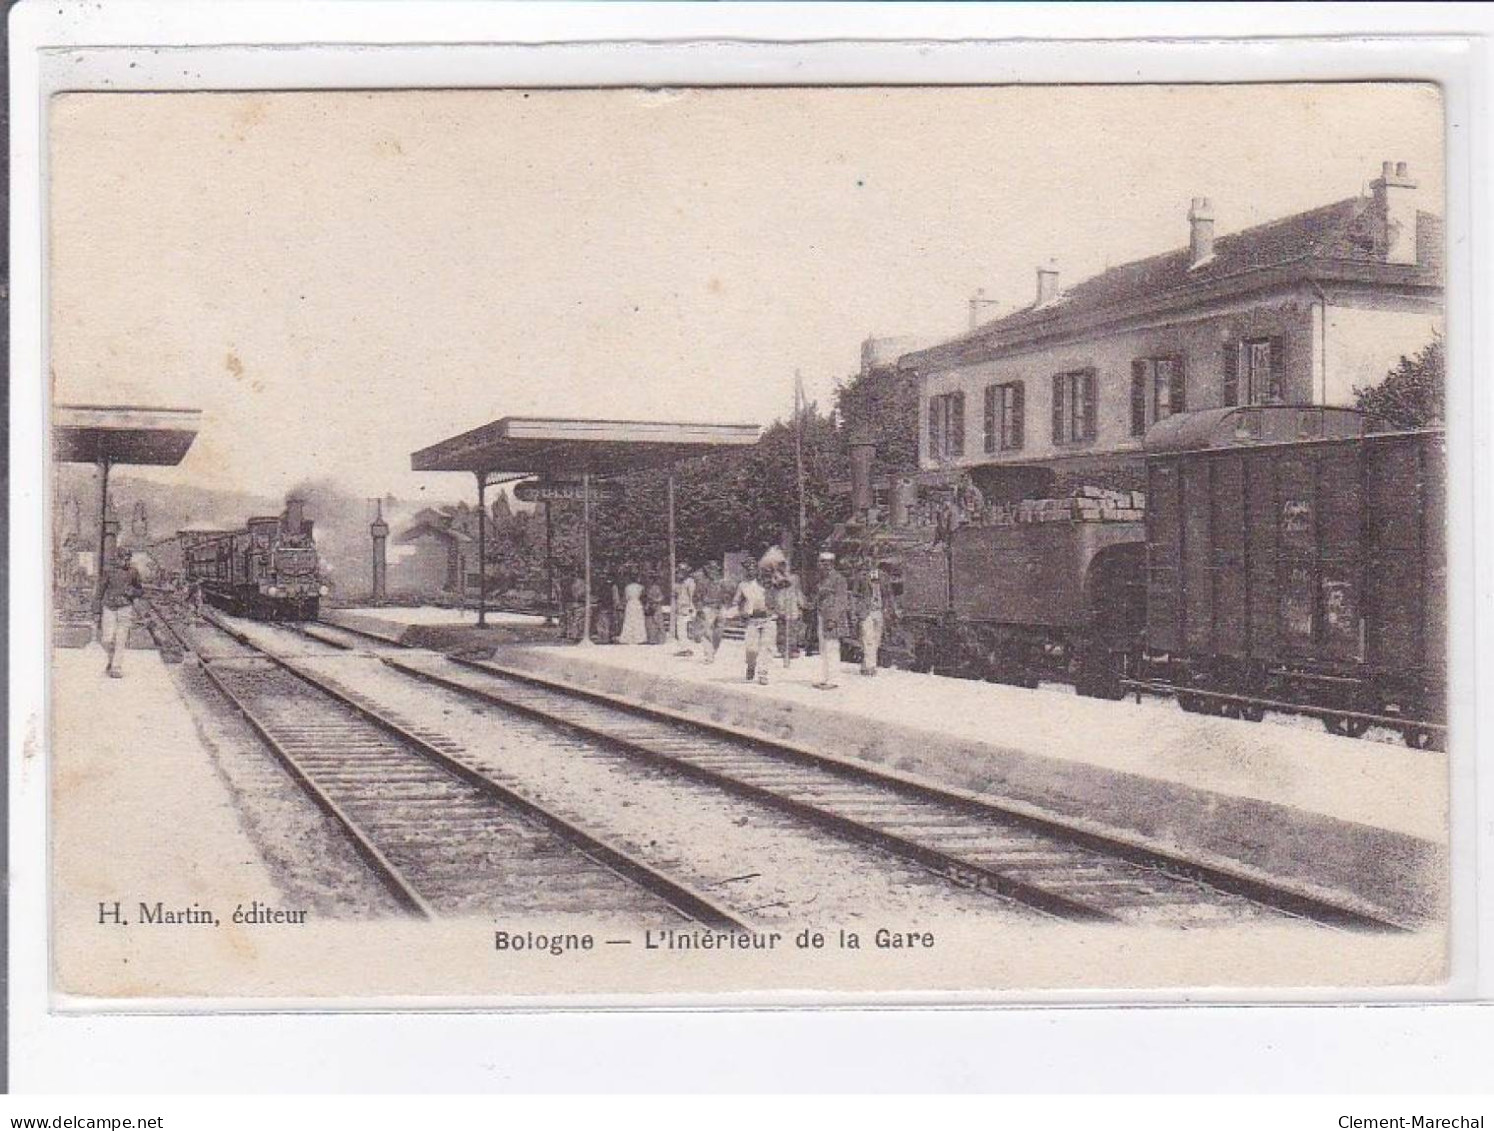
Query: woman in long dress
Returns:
{"type": "Point", "coordinates": [634, 630]}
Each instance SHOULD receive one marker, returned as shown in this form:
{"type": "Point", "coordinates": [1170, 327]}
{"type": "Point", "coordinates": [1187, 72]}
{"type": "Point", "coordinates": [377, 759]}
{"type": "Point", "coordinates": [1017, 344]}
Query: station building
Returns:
{"type": "Point", "coordinates": [1301, 310]}
{"type": "Point", "coordinates": [438, 556]}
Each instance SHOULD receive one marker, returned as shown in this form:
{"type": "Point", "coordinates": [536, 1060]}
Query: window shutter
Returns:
{"type": "Point", "coordinates": [1232, 374]}
{"type": "Point", "coordinates": [1018, 397]}
{"type": "Point", "coordinates": [935, 427]}
{"type": "Point", "coordinates": [1090, 406]}
{"type": "Point", "coordinates": [1278, 369]}
{"type": "Point", "coordinates": [957, 425]}
{"type": "Point", "coordinates": [1179, 385]}
{"type": "Point", "coordinates": [1058, 384]}
{"type": "Point", "coordinates": [992, 433]}
{"type": "Point", "coordinates": [1138, 397]}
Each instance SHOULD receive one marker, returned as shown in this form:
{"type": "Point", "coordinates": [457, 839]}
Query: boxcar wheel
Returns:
{"type": "Point", "coordinates": [923, 657]}
{"type": "Point", "coordinates": [1420, 738]}
{"type": "Point", "coordinates": [1190, 703]}
{"type": "Point", "coordinates": [1345, 725]}
{"type": "Point", "coordinates": [1099, 677]}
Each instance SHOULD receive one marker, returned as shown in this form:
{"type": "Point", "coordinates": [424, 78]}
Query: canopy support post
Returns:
{"type": "Point", "coordinates": [674, 581]}
{"type": "Point", "coordinates": [552, 597]}
{"type": "Point", "coordinates": [482, 549]}
{"type": "Point", "coordinates": [103, 566]}
{"type": "Point", "coordinates": [586, 554]}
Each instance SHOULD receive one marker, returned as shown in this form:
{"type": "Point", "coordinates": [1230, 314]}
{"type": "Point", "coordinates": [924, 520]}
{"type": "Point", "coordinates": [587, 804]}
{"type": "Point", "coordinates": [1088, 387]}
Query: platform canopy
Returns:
{"type": "Point", "coordinates": [558, 449]}
{"type": "Point", "coordinates": [107, 435]}
{"type": "Point", "coordinates": [555, 447]}
{"type": "Point", "coordinates": [117, 434]}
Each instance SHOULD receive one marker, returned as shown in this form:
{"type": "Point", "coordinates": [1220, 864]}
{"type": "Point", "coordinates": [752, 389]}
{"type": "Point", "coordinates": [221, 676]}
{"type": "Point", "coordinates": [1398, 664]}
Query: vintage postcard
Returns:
{"type": "Point", "coordinates": [560, 545]}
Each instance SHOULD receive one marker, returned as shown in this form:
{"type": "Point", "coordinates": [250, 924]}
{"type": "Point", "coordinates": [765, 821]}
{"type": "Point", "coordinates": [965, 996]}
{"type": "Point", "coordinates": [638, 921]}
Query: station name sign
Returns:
{"type": "Point", "coordinates": [553, 491]}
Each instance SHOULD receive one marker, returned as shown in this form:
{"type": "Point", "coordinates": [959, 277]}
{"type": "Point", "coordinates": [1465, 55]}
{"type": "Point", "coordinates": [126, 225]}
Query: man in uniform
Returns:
{"type": "Point", "coordinates": [575, 616]}
{"type": "Point", "coordinates": [708, 601]}
{"type": "Point", "coordinates": [195, 597]}
{"type": "Point", "coordinates": [682, 609]}
{"type": "Point", "coordinates": [122, 588]}
{"type": "Point", "coordinates": [790, 612]}
{"type": "Point", "coordinates": [752, 604]}
{"type": "Point", "coordinates": [832, 601]}
{"type": "Point", "coordinates": [870, 615]}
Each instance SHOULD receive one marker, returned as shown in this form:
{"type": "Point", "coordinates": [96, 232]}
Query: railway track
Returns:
{"type": "Point", "coordinates": [1057, 869]}
{"type": "Point", "coordinates": [443, 838]}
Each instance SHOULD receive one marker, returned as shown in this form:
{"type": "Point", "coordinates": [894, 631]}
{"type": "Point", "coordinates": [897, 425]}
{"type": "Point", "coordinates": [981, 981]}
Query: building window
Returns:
{"type": "Point", "coordinates": [1004, 412]}
{"type": "Point", "coordinates": [947, 425]}
{"type": "Point", "coordinates": [1156, 391]}
{"type": "Point", "coordinates": [1074, 408]}
{"type": "Point", "coordinates": [1255, 372]}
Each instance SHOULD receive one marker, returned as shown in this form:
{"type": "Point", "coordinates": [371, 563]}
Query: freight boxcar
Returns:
{"type": "Point", "coordinates": [1288, 560]}
{"type": "Point", "coordinates": [1293, 561]}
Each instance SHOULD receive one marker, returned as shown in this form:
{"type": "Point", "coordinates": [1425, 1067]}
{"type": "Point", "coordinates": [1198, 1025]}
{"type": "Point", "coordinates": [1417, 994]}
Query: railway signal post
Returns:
{"type": "Point", "coordinates": [482, 549]}
{"type": "Point", "coordinates": [379, 531]}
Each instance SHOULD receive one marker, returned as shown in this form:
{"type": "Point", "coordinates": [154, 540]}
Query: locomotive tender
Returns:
{"type": "Point", "coordinates": [1287, 560]}
{"type": "Point", "coordinates": [267, 570]}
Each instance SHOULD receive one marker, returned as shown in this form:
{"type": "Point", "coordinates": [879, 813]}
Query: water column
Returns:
{"type": "Point", "coordinates": [379, 531]}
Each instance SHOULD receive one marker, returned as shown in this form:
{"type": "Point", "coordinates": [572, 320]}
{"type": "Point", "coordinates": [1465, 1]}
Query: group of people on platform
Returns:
{"type": "Point", "coordinates": [778, 618]}
{"type": "Point", "coordinates": [628, 610]}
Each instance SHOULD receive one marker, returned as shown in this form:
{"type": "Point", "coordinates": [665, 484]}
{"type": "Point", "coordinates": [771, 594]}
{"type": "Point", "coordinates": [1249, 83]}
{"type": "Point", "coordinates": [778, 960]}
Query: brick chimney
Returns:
{"type": "Point", "coordinates": [1047, 282]}
{"type": "Point", "coordinates": [1395, 208]}
{"type": "Point", "coordinates": [1200, 231]}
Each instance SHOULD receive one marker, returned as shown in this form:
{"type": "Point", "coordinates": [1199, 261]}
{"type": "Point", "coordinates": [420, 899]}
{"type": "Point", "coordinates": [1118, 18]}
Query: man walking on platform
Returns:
{"type": "Point", "coordinates": [709, 597]}
{"type": "Point", "coordinates": [682, 609]}
{"type": "Point", "coordinates": [751, 604]}
{"type": "Point", "coordinates": [790, 613]}
{"type": "Point", "coordinates": [122, 588]}
{"type": "Point", "coordinates": [832, 602]}
{"type": "Point", "coordinates": [575, 615]}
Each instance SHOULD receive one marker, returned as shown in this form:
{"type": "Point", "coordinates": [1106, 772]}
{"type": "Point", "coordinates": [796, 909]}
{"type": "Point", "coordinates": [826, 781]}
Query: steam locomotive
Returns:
{"type": "Point", "coordinates": [267, 570]}
{"type": "Point", "coordinates": [1281, 558]}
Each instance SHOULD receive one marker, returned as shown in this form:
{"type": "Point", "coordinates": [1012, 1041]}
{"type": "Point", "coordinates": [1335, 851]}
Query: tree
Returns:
{"type": "Point", "coordinates": [1412, 394]}
{"type": "Point", "coordinates": [884, 401]}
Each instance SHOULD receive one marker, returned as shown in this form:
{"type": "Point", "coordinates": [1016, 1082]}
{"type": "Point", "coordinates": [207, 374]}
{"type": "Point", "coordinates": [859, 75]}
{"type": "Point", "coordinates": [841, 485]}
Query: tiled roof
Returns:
{"type": "Point", "coordinates": [1344, 233]}
{"type": "Point", "coordinates": [443, 522]}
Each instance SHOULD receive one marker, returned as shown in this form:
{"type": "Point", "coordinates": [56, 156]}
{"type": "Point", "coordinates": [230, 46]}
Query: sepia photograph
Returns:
{"type": "Point", "coordinates": [552, 545]}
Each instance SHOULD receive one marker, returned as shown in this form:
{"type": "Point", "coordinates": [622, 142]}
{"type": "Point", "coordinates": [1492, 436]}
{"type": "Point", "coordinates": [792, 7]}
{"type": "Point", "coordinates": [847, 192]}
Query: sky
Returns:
{"type": "Point", "coordinates": [340, 278]}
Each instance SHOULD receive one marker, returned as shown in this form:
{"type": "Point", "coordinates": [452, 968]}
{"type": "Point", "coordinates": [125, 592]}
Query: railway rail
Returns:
{"type": "Point", "coordinates": [1039, 861]}
{"type": "Point", "coordinates": [1419, 734]}
{"type": "Point", "coordinates": [442, 837]}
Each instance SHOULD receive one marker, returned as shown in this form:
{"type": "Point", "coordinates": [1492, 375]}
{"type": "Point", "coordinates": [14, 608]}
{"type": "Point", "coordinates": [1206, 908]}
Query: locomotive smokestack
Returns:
{"type": "Point", "coordinates": [904, 495]}
{"type": "Point", "coordinates": [863, 452]}
{"type": "Point", "coordinates": [295, 514]}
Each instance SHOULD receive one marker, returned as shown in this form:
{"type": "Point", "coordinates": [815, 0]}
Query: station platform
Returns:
{"type": "Point", "coordinates": [139, 814]}
{"type": "Point", "coordinates": [1360, 822]}
{"type": "Point", "coordinates": [446, 629]}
